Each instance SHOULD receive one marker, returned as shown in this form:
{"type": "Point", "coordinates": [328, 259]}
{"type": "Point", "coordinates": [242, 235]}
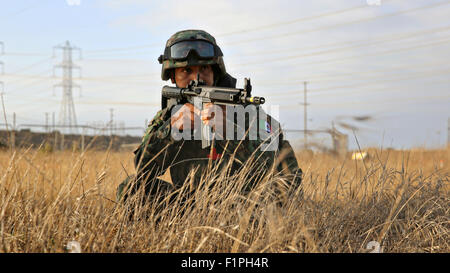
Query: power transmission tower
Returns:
{"type": "Point", "coordinates": [67, 116]}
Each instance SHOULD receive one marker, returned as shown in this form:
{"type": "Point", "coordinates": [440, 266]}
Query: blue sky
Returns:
{"type": "Point", "coordinates": [387, 61]}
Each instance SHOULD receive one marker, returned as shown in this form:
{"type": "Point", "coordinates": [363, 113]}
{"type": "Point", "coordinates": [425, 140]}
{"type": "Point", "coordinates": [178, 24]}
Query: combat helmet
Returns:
{"type": "Point", "coordinates": [191, 47]}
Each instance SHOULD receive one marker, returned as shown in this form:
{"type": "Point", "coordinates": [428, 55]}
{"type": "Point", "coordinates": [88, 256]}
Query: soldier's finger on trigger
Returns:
{"type": "Point", "coordinates": [207, 113]}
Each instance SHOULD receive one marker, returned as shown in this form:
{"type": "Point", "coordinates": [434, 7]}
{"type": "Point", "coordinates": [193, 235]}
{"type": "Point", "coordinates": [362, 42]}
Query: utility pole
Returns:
{"type": "Point", "coordinates": [46, 123]}
{"type": "Point", "coordinates": [67, 116]}
{"type": "Point", "coordinates": [448, 132]}
{"type": "Point", "coordinates": [54, 131]}
{"type": "Point", "coordinates": [111, 120]}
{"type": "Point", "coordinates": [13, 132]}
{"type": "Point", "coordinates": [82, 139]}
{"type": "Point", "coordinates": [305, 117]}
{"type": "Point", "coordinates": [122, 128]}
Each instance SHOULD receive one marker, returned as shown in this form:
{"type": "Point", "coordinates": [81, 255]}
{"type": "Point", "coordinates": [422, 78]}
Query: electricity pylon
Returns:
{"type": "Point", "coordinates": [67, 116]}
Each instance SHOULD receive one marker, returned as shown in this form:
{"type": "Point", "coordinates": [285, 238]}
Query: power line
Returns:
{"type": "Point", "coordinates": [105, 78]}
{"type": "Point", "coordinates": [85, 102]}
{"type": "Point", "coordinates": [22, 10]}
{"type": "Point", "coordinates": [32, 65]}
{"type": "Point", "coordinates": [235, 32]}
{"type": "Point", "coordinates": [280, 94]}
{"type": "Point", "coordinates": [123, 103]}
{"type": "Point", "coordinates": [29, 76]}
{"type": "Point", "coordinates": [302, 19]}
{"type": "Point", "coordinates": [388, 38]}
{"type": "Point", "coordinates": [384, 39]}
{"type": "Point", "coordinates": [123, 48]}
{"type": "Point", "coordinates": [258, 28]}
{"type": "Point", "coordinates": [363, 55]}
{"type": "Point", "coordinates": [293, 57]}
{"type": "Point", "coordinates": [339, 25]}
{"type": "Point", "coordinates": [323, 78]}
{"type": "Point", "coordinates": [39, 79]}
{"type": "Point", "coordinates": [125, 76]}
{"type": "Point", "coordinates": [268, 26]}
{"type": "Point", "coordinates": [415, 75]}
{"type": "Point", "coordinates": [35, 76]}
{"type": "Point", "coordinates": [110, 79]}
{"type": "Point", "coordinates": [38, 95]}
{"type": "Point", "coordinates": [24, 54]}
{"type": "Point", "coordinates": [388, 51]}
{"type": "Point", "coordinates": [407, 77]}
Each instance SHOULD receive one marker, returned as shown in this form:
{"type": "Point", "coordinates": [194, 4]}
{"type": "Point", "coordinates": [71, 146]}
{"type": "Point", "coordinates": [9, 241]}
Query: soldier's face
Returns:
{"type": "Point", "coordinates": [184, 75]}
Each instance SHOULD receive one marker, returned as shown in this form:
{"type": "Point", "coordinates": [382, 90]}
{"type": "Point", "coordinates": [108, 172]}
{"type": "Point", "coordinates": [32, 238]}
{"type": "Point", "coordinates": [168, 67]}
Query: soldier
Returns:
{"type": "Point", "coordinates": [162, 163]}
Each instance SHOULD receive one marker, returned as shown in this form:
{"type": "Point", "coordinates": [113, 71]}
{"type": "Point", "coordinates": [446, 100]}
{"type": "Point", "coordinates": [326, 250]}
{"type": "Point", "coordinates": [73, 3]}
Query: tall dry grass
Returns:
{"type": "Point", "coordinates": [397, 198]}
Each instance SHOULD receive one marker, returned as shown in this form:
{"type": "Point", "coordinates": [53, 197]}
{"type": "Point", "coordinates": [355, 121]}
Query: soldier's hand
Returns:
{"type": "Point", "coordinates": [214, 115]}
{"type": "Point", "coordinates": [185, 116]}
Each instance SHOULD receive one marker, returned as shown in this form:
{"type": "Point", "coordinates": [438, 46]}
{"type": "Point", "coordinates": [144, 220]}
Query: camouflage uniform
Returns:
{"type": "Point", "coordinates": [159, 154]}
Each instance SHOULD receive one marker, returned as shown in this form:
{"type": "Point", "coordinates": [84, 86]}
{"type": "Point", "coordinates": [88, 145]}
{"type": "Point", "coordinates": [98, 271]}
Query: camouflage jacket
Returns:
{"type": "Point", "coordinates": [170, 161]}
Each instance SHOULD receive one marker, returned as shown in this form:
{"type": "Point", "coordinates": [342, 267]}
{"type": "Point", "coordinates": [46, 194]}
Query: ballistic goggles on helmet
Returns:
{"type": "Point", "coordinates": [180, 51]}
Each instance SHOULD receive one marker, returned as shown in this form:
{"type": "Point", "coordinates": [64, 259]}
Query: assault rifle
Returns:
{"type": "Point", "coordinates": [218, 95]}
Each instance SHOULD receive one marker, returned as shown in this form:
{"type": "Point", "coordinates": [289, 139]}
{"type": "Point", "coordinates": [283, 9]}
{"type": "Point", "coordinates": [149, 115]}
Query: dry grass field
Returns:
{"type": "Point", "coordinates": [397, 198]}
